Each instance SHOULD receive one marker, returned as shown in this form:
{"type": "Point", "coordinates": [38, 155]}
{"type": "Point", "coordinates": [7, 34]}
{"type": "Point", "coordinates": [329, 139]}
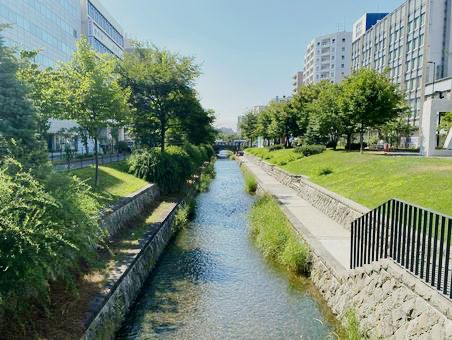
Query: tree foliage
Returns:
{"type": "Point", "coordinates": [162, 84]}
{"type": "Point", "coordinates": [91, 94]}
{"type": "Point", "coordinates": [19, 122]}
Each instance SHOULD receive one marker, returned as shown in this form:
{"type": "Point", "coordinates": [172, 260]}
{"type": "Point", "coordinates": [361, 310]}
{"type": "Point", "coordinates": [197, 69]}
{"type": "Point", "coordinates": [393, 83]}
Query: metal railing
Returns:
{"type": "Point", "coordinates": [417, 238]}
{"type": "Point", "coordinates": [86, 162]}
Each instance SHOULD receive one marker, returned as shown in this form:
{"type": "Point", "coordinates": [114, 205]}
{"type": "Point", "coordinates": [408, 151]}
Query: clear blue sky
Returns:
{"type": "Point", "coordinates": [248, 49]}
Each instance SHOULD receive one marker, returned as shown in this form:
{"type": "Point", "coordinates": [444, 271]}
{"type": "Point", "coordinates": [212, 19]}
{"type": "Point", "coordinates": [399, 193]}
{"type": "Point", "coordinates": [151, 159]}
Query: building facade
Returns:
{"type": "Point", "coordinates": [51, 27]}
{"type": "Point", "coordinates": [297, 81]}
{"type": "Point", "coordinates": [328, 58]}
{"type": "Point", "coordinates": [413, 43]}
{"type": "Point", "coordinates": [103, 31]}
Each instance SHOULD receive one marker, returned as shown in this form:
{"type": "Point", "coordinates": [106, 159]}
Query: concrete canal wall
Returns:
{"type": "Point", "coordinates": [128, 209]}
{"type": "Point", "coordinates": [109, 308]}
{"type": "Point", "coordinates": [388, 300]}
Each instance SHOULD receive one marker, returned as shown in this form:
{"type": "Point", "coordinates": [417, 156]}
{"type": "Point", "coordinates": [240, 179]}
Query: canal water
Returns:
{"type": "Point", "coordinates": [212, 283]}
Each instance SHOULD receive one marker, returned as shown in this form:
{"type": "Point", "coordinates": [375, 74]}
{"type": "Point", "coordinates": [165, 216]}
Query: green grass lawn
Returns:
{"type": "Point", "coordinates": [114, 181]}
{"type": "Point", "coordinates": [372, 179]}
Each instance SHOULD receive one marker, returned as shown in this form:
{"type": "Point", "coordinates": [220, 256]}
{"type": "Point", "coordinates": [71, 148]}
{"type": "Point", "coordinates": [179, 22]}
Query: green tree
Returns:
{"type": "Point", "coordinates": [326, 122]}
{"type": "Point", "coordinates": [160, 81]}
{"type": "Point", "coordinates": [19, 122]}
{"type": "Point", "coordinates": [248, 126]}
{"type": "Point", "coordinates": [396, 128]}
{"type": "Point", "coordinates": [372, 99]}
{"type": "Point", "coordinates": [91, 94]}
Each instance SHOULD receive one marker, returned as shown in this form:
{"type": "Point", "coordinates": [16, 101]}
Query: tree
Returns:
{"type": "Point", "coordinates": [371, 99]}
{"type": "Point", "coordinates": [160, 81]}
{"type": "Point", "coordinates": [326, 123]}
{"type": "Point", "coordinates": [91, 94]}
{"type": "Point", "coordinates": [248, 126]}
{"type": "Point", "coordinates": [396, 128]}
{"type": "Point", "coordinates": [19, 123]}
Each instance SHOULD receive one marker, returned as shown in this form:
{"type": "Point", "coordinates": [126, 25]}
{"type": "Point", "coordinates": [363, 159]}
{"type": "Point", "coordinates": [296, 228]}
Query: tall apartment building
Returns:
{"type": "Point", "coordinates": [103, 31]}
{"type": "Point", "coordinates": [297, 81]}
{"type": "Point", "coordinates": [328, 58]}
{"type": "Point", "coordinates": [413, 43]}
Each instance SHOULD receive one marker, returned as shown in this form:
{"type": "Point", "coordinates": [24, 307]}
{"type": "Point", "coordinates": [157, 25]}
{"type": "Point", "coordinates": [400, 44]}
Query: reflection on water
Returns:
{"type": "Point", "coordinates": [211, 282]}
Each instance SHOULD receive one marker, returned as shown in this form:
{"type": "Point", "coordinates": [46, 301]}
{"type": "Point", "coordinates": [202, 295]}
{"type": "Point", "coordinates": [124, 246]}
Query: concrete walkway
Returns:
{"type": "Point", "coordinates": [334, 238]}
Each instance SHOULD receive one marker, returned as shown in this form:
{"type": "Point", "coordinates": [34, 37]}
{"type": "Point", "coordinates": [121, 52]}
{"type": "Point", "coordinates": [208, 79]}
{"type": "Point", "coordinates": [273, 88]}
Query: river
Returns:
{"type": "Point", "coordinates": [212, 283]}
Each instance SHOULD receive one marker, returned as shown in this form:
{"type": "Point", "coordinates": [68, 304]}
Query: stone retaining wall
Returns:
{"type": "Point", "coordinates": [388, 300]}
{"type": "Point", "coordinates": [339, 208]}
{"type": "Point", "coordinates": [115, 305]}
{"type": "Point", "coordinates": [129, 208]}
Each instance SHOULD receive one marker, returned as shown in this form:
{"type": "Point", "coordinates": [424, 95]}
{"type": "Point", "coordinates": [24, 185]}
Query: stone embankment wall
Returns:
{"type": "Point", "coordinates": [388, 300]}
{"type": "Point", "coordinates": [339, 208]}
{"type": "Point", "coordinates": [129, 208]}
{"type": "Point", "coordinates": [112, 309]}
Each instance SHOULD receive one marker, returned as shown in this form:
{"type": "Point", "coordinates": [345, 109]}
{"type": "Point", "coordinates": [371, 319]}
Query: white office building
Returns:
{"type": "Point", "coordinates": [413, 43]}
{"type": "Point", "coordinates": [103, 31]}
{"type": "Point", "coordinates": [328, 58]}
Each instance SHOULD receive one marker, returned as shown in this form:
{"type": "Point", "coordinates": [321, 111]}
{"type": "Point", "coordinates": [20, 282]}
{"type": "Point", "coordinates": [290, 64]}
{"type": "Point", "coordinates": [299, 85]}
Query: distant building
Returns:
{"type": "Point", "coordinates": [103, 31]}
{"type": "Point", "coordinates": [239, 125]}
{"type": "Point", "coordinates": [413, 43]}
{"type": "Point", "coordinates": [297, 81]}
{"type": "Point", "coordinates": [328, 57]}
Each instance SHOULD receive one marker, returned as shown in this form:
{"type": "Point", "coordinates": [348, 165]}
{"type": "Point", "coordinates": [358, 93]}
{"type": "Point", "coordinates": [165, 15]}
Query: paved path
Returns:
{"type": "Point", "coordinates": [330, 234]}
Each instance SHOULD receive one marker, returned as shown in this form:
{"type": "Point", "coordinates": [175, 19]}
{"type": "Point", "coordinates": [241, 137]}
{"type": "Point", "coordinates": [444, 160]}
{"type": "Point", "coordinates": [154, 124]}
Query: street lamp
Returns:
{"type": "Point", "coordinates": [434, 76]}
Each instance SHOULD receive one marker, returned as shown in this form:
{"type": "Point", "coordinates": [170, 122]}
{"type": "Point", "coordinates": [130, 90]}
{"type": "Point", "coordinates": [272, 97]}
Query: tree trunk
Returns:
{"type": "Point", "coordinates": [96, 156]}
{"type": "Point", "coordinates": [162, 134]}
{"type": "Point", "coordinates": [349, 142]}
{"type": "Point", "coordinates": [361, 139]}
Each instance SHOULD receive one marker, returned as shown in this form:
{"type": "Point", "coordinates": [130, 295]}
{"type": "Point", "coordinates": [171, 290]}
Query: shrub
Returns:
{"type": "Point", "coordinates": [206, 177]}
{"type": "Point", "coordinates": [208, 150]}
{"type": "Point", "coordinates": [144, 162]}
{"type": "Point", "coordinates": [122, 146]}
{"type": "Point", "coordinates": [275, 147]}
{"type": "Point", "coordinates": [46, 228]}
{"type": "Point", "coordinates": [325, 171]}
{"type": "Point", "coordinates": [356, 146]}
{"type": "Point", "coordinates": [197, 154]}
{"type": "Point", "coordinates": [169, 169]}
{"type": "Point", "coordinates": [308, 150]}
{"type": "Point", "coordinates": [250, 181]}
{"type": "Point", "coordinates": [276, 238]}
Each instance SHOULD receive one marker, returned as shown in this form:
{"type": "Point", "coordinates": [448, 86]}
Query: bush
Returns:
{"type": "Point", "coordinates": [356, 146]}
{"type": "Point", "coordinates": [206, 177]}
{"type": "Point", "coordinates": [250, 181]}
{"type": "Point", "coordinates": [169, 169]}
{"type": "Point", "coordinates": [208, 150]}
{"type": "Point", "coordinates": [122, 146]}
{"type": "Point", "coordinates": [276, 238]}
{"type": "Point", "coordinates": [46, 228]}
{"type": "Point", "coordinates": [325, 171]}
{"type": "Point", "coordinates": [275, 147]}
{"type": "Point", "coordinates": [308, 150]}
{"type": "Point", "coordinates": [197, 154]}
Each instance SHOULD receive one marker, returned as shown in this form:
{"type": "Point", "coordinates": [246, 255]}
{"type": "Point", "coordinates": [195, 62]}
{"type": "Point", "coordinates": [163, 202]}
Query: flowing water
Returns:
{"type": "Point", "coordinates": [212, 283]}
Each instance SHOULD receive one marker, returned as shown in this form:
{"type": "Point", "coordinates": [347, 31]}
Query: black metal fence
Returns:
{"type": "Point", "coordinates": [418, 239]}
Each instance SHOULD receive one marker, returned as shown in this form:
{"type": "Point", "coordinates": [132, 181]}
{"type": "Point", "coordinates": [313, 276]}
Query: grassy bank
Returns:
{"type": "Point", "coordinates": [249, 179]}
{"type": "Point", "coordinates": [371, 179]}
{"type": "Point", "coordinates": [114, 181]}
{"type": "Point", "coordinates": [275, 237]}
